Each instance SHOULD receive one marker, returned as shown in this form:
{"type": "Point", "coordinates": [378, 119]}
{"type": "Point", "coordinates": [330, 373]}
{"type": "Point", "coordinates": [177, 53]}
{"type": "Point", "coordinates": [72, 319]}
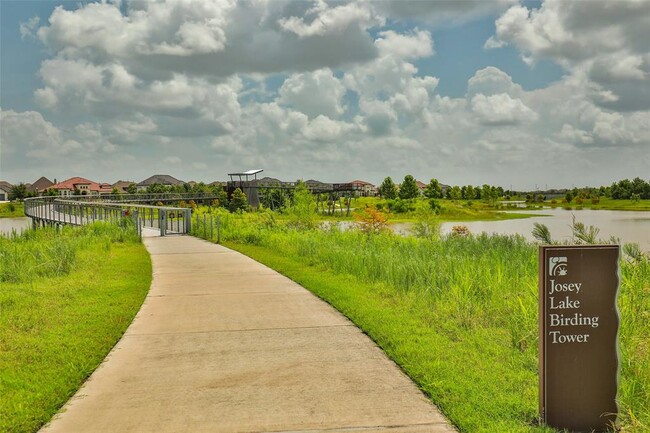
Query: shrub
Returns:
{"type": "Point", "coordinates": [460, 230]}
{"type": "Point", "coordinates": [371, 220]}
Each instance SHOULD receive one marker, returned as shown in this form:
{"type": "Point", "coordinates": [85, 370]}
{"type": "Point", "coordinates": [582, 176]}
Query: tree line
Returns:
{"type": "Point", "coordinates": [408, 190]}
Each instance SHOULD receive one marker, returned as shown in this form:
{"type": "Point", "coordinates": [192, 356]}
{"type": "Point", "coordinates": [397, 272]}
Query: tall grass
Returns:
{"type": "Point", "coordinates": [476, 296]}
{"type": "Point", "coordinates": [66, 297]}
{"type": "Point", "coordinates": [50, 252]}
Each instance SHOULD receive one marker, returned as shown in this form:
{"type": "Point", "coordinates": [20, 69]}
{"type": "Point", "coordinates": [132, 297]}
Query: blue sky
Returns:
{"type": "Point", "coordinates": [493, 92]}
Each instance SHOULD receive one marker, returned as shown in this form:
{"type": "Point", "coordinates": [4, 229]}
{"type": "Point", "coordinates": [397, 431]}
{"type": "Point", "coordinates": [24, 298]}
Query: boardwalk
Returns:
{"type": "Point", "coordinates": [225, 344]}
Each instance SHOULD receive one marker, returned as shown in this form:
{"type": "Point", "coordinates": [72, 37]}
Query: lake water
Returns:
{"type": "Point", "coordinates": [18, 224]}
{"type": "Point", "coordinates": [628, 226]}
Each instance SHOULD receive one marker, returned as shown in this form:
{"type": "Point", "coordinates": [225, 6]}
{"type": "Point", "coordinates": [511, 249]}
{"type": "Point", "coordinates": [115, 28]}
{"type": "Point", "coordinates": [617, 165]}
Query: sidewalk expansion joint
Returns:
{"type": "Point", "coordinates": [293, 292]}
{"type": "Point", "coordinates": [222, 331]}
{"type": "Point", "coordinates": [356, 429]}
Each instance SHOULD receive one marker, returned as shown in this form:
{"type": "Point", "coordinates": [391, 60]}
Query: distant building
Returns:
{"type": "Point", "coordinates": [81, 186]}
{"type": "Point", "coordinates": [122, 185]}
{"type": "Point", "coordinates": [218, 183]}
{"type": "Point", "coordinates": [268, 182]}
{"type": "Point", "coordinates": [421, 186]}
{"type": "Point", "coordinates": [316, 185]}
{"type": "Point", "coordinates": [160, 179]}
{"type": "Point", "coordinates": [5, 190]}
{"type": "Point", "coordinates": [40, 186]}
{"type": "Point", "coordinates": [360, 187]}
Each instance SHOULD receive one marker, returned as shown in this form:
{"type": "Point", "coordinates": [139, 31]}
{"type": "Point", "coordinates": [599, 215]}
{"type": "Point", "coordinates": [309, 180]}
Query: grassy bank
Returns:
{"type": "Point", "coordinates": [66, 298]}
{"type": "Point", "coordinates": [604, 204]}
{"type": "Point", "coordinates": [459, 314]}
{"type": "Point", "coordinates": [12, 210]}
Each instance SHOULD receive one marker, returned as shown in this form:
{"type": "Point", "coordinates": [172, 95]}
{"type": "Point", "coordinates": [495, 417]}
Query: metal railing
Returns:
{"type": "Point", "coordinates": [145, 197]}
{"type": "Point", "coordinates": [56, 210]}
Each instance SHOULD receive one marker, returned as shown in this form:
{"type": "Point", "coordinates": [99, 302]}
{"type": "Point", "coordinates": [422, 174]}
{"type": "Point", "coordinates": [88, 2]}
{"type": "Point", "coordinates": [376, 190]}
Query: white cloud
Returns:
{"type": "Point", "coordinates": [501, 109]}
{"type": "Point", "coordinates": [598, 42]}
{"type": "Point", "coordinates": [27, 28]}
{"type": "Point", "coordinates": [29, 134]}
{"type": "Point", "coordinates": [154, 40]}
{"type": "Point", "coordinates": [323, 128]}
{"type": "Point", "coordinates": [322, 19]}
{"type": "Point", "coordinates": [314, 93]}
{"type": "Point", "coordinates": [491, 81]}
{"type": "Point", "coordinates": [405, 46]}
{"type": "Point", "coordinates": [196, 82]}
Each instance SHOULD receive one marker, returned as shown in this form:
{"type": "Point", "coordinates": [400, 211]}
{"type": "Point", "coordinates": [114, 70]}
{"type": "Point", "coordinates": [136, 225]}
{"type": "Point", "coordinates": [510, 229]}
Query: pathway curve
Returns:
{"type": "Point", "coordinates": [225, 344]}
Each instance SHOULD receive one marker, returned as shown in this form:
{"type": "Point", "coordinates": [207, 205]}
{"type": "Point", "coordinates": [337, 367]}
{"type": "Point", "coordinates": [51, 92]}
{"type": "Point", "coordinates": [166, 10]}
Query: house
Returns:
{"type": "Point", "coordinates": [40, 186]}
{"type": "Point", "coordinates": [316, 185]}
{"type": "Point", "coordinates": [5, 190]}
{"type": "Point", "coordinates": [122, 186]}
{"type": "Point", "coordinates": [81, 186]}
{"type": "Point", "coordinates": [268, 182]}
{"type": "Point", "coordinates": [421, 186]}
{"type": "Point", "coordinates": [159, 179]}
{"type": "Point", "coordinates": [362, 188]}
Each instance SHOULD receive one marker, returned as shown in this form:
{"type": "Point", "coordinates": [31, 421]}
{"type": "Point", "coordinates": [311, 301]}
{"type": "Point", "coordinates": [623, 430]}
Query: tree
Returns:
{"type": "Point", "coordinates": [222, 198]}
{"type": "Point", "coordinates": [433, 189]}
{"type": "Point", "coordinates": [156, 188]}
{"type": "Point", "coordinates": [408, 189]}
{"type": "Point", "coordinates": [454, 193]}
{"type": "Point", "coordinates": [132, 188]}
{"type": "Point", "coordinates": [388, 189]}
{"type": "Point", "coordinates": [18, 192]}
{"type": "Point", "coordinates": [238, 201]}
{"type": "Point", "coordinates": [471, 192]}
{"type": "Point", "coordinates": [302, 212]}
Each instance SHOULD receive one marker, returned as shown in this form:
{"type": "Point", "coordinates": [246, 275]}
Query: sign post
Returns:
{"type": "Point", "coordinates": [578, 336]}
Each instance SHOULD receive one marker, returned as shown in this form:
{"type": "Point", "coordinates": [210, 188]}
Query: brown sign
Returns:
{"type": "Point", "coordinates": [578, 340]}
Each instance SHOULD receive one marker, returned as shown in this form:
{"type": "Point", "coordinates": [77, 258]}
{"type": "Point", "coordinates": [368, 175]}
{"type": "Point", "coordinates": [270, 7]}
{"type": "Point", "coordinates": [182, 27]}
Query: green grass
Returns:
{"type": "Point", "coordinates": [458, 314]}
{"type": "Point", "coordinates": [12, 210]}
{"type": "Point", "coordinates": [65, 300]}
{"type": "Point", "coordinates": [605, 204]}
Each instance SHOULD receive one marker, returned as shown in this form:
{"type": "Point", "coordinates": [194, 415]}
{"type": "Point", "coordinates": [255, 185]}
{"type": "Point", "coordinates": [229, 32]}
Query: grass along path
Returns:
{"type": "Point", "coordinates": [458, 314]}
{"type": "Point", "coordinates": [65, 300]}
{"type": "Point", "coordinates": [12, 210]}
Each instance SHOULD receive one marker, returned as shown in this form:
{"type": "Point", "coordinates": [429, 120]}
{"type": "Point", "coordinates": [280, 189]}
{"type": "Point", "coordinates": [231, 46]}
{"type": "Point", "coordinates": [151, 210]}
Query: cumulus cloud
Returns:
{"type": "Point", "coordinates": [155, 40]}
{"type": "Point", "coordinates": [406, 46]}
{"type": "Point", "coordinates": [310, 89]}
{"type": "Point", "coordinates": [322, 19]}
{"type": "Point", "coordinates": [501, 109]}
{"type": "Point", "coordinates": [598, 42]}
{"type": "Point", "coordinates": [491, 81]}
{"type": "Point", "coordinates": [28, 133]}
{"type": "Point", "coordinates": [314, 93]}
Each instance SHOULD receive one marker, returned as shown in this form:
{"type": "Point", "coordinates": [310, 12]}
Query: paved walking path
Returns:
{"type": "Point", "coordinates": [225, 344]}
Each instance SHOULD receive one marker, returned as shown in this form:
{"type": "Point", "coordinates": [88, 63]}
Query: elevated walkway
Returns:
{"type": "Point", "coordinates": [225, 344]}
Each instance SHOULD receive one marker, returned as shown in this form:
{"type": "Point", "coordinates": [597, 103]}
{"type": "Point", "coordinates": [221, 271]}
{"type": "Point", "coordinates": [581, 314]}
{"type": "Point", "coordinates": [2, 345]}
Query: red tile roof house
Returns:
{"type": "Point", "coordinates": [365, 189]}
{"type": "Point", "coordinates": [81, 186]}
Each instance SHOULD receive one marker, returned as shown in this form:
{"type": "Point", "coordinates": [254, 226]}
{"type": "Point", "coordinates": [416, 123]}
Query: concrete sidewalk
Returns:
{"type": "Point", "coordinates": [225, 344]}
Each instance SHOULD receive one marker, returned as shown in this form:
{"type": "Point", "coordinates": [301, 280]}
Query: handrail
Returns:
{"type": "Point", "coordinates": [57, 210]}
